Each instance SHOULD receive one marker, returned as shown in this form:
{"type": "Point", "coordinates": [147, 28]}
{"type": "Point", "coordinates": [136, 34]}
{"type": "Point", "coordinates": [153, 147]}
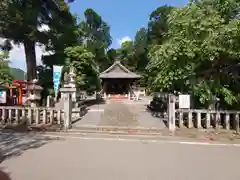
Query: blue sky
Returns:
{"type": "Point", "coordinates": [124, 17]}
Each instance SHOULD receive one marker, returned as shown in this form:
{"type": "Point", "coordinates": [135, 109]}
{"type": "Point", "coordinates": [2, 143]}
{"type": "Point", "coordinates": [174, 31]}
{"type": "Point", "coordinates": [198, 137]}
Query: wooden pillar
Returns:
{"type": "Point", "coordinates": [20, 95]}
{"type": "Point", "coordinates": [104, 89]}
{"type": "Point", "coordinates": [129, 90]}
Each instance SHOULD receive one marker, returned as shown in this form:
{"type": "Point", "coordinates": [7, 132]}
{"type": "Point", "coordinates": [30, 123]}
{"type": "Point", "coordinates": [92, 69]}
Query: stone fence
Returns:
{"type": "Point", "coordinates": [45, 116]}
{"type": "Point", "coordinates": [34, 116]}
{"type": "Point", "coordinates": [202, 118]}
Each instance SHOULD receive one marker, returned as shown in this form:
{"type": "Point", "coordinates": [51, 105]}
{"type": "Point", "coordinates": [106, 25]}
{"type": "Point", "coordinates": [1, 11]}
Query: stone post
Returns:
{"type": "Point", "coordinates": [72, 83]}
{"type": "Point", "coordinates": [171, 112]}
{"type": "Point", "coordinates": [48, 104]}
{"type": "Point", "coordinates": [67, 105]}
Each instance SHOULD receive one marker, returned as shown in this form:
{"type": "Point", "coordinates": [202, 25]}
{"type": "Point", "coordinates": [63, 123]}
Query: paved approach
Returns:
{"type": "Point", "coordinates": [120, 114]}
{"type": "Point", "coordinates": [41, 158]}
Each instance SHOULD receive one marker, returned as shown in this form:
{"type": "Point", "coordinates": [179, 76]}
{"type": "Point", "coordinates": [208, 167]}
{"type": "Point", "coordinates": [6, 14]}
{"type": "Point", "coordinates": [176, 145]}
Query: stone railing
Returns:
{"type": "Point", "coordinates": [208, 119]}
{"type": "Point", "coordinates": [34, 116]}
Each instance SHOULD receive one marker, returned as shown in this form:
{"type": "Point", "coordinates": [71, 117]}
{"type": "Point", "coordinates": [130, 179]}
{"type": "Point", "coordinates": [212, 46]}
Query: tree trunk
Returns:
{"type": "Point", "coordinates": [30, 54]}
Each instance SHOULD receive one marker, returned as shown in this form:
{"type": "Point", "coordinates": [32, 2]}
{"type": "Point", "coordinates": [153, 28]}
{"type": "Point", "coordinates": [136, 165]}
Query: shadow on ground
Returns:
{"type": "Point", "coordinates": [85, 106]}
{"type": "Point", "coordinates": [92, 102]}
{"type": "Point", "coordinates": [14, 144]}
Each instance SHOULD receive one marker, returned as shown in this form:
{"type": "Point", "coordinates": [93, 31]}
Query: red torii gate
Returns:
{"type": "Point", "coordinates": [20, 85]}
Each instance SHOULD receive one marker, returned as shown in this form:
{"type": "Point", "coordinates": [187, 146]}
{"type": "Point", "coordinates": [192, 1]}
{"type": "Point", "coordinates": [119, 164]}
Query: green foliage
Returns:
{"type": "Point", "coordinates": [45, 80]}
{"type": "Point", "coordinates": [62, 33]}
{"type": "Point", "coordinates": [86, 68]}
{"type": "Point", "coordinates": [95, 36]}
{"type": "Point", "coordinates": [158, 25]}
{"type": "Point", "coordinates": [5, 75]}
{"type": "Point", "coordinates": [199, 55]}
{"type": "Point", "coordinates": [21, 21]}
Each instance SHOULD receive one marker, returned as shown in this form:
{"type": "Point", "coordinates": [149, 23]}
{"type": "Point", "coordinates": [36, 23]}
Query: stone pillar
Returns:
{"type": "Point", "coordinates": [171, 112]}
{"type": "Point", "coordinates": [48, 104]}
{"type": "Point", "coordinates": [67, 106]}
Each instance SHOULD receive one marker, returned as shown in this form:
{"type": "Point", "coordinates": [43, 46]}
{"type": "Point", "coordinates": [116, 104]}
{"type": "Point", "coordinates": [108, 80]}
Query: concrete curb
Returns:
{"type": "Point", "coordinates": [143, 139]}
{"type": "Point", "coordinates": [115, 128]}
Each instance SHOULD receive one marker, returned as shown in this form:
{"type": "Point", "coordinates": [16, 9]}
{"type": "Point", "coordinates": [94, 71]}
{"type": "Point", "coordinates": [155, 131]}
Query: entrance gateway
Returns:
{"type": "Point", "coordinates": [117, 81]}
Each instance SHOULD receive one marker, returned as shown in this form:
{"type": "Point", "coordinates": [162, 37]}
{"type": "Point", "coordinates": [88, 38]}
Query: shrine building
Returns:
{"type": "Point", "coordinates": [117, 81]}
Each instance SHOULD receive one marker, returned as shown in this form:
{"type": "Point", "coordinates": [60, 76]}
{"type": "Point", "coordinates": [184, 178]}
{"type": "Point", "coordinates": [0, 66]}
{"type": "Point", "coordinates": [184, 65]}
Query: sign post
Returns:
{"type": "Point", "coordinates": [184, 101]}
{"type": "Point", "coordinates": [57, 71]}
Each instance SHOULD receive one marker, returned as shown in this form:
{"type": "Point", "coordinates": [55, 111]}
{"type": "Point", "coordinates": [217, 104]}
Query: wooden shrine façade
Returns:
{"type": "Point", "coordinates": [117, 81]}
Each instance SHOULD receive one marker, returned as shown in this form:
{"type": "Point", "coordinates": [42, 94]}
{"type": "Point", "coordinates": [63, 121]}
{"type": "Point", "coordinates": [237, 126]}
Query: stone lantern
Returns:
{"type": "Point", "coordinates": [70, 82]}
{"type": "Point", "coordinates": [34, 93]}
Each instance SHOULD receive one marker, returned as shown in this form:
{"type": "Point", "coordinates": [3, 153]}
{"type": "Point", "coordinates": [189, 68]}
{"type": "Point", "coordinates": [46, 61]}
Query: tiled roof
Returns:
{"type": "Point", "coordinates": [117, 70]}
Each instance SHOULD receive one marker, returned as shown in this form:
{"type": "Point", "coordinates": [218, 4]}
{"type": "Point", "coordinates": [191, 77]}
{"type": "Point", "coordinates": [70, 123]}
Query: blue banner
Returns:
{"type": "Point", "coordinates": [3, 96]}
{"type": "Point", "coordinates": [57, 71]}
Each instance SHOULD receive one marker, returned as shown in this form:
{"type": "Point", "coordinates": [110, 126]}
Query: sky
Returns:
{"type": "Point", "coordinates": [125, 18]}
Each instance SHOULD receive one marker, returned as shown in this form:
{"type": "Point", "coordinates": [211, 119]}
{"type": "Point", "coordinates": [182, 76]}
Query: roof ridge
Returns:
{"type": "Point", "coordinates": [115, 64]}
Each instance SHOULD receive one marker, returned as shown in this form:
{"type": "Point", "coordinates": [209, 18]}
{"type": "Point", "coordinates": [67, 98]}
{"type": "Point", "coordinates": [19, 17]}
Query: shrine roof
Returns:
{"type": "Point", "coordinates": [117, 70]}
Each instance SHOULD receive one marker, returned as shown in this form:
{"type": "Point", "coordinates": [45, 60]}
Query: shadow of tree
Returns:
{"type": "Point", "coordinates": [85, 106]}
{"type": "Point", "coordinates": [92, 102]}
{"type": "Point", "coordinates": [14, 144]}
{"type": "Point", "coordinates": [4, 175]}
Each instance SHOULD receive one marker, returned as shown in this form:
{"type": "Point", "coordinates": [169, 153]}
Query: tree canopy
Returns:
{"type": "Point", "coordinates": [200, 55]}
{"type": "Point", "coordinates": [21, 23]}
{"type": "Point", "coordinates": [191, 49]}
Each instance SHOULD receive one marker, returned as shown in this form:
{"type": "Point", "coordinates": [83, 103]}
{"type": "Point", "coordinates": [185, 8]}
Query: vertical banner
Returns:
{"type": "Point", "coordinates": [57, 71]}
{"type": "Point", "coordinates": [3, 96]}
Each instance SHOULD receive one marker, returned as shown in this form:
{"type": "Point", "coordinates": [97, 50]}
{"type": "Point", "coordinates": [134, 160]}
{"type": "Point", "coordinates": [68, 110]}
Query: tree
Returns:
{"type": "Point", "coordinates": [141, 50]}
{"type": "Point", "coordinates": [228, 9]}
{"type": "Point", "coordinates": [86, 68]}
{"type": "Point", "coordinates": [158, 25]}
{"type": "Point", "coordinates": [95, 36]}
{"type": "Point", "coordinates": [126, 55]}
{"type": "Point", "coordinates": [5, 75]}
{"type": "Point", "coordinates": [20, 23]}
{"type": "Point", "coordinates": [45, 80]}
{"type": "Point", "coordinates": [112, 55]}
{"type": "Point", "coordinates": [62, 33]}
{"type": "Point", "coordinates": [198, 55]}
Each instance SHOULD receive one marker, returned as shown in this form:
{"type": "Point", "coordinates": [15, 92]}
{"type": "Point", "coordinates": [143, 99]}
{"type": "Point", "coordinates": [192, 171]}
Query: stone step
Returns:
{"type": "Point", "coordinates": [98, 135]}
{"type": "Point", "coordinates": [115, 129]}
